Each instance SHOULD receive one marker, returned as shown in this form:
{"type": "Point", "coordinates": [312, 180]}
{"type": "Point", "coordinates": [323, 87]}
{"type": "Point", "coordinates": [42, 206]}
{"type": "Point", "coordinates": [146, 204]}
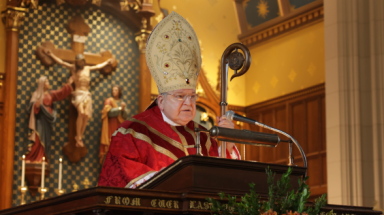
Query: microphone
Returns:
{"type": "Point", "coordinates": [244, 136]}
{"type": "Point", "coordinates": [234, 116]}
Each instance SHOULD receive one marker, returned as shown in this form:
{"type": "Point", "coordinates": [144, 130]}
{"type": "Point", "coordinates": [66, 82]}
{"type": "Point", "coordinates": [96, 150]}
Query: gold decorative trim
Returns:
{"type": "Point", "coordinates": [192, 132]}
{"type": "Point", "coordinates": [310, 17]}
{"type": "Point", "coordinates": [208, 144]}
{"type": "Point", "coordinates": [29, 3]}
{"type": "Point", "coordinates": [138, 178]}
{"type": "Point", "coordinates": [127, 5]}
{"type": "Point", "coordinates": [145, 138]}
{"type": "Point", "coordinates": [96, 2]}
{"type": "Point", "coordinates": [20, 9]}
{"type": "Point", "coordinates": [13, 18]}
{"type": "Point", "coordinates": [161, 135]}
{"type": "Point", "coordinates": [161, 173]}
{"type": "Point", "coordinates": [142, 37]}
{"type": "Point", "coordinates": [183, 140]}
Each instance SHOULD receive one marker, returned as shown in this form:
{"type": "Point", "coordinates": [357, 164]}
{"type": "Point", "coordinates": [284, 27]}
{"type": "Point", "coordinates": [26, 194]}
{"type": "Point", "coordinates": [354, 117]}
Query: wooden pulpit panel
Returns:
{"type": "Point", "coordinates": [302, 115]}
{"type": "Point", "coordinates": [213, 175]}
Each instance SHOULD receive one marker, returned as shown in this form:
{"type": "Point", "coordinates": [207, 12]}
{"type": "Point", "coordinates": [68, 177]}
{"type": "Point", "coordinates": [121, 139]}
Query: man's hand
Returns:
{"type": "Point", "coordinates": [123, 105]}
{"type": "Point", "coordinates": [70, 80]}
{"type": "Point", "coordinates": [226, 123]}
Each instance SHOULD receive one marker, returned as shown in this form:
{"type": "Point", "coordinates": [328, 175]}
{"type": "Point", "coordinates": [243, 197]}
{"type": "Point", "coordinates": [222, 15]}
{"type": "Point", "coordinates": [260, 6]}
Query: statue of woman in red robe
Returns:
{"type": "Point", "coordinates": [113, 114]}
{"type": "Point", "coordinates": [42, 117]}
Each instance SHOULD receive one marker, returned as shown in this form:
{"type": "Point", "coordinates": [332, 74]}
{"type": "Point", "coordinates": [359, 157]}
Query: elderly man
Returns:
{"type": "Point", "coordinates": [154, 139]}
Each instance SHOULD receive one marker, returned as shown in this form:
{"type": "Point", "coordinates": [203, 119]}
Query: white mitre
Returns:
{"type": "Point", "coordinates": [173, 54]}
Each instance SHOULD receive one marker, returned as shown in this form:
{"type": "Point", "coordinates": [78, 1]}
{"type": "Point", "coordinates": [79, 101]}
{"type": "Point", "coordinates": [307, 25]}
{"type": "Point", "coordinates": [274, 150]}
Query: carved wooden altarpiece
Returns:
{"type": "Point", "coordinates": [78, 30]}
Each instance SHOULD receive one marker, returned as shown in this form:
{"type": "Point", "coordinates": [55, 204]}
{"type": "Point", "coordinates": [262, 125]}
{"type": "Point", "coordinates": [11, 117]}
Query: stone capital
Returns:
{"type": "Point", "coordinates": [141, 39]}
{"type": "Point", "coordinates": [13, 17]}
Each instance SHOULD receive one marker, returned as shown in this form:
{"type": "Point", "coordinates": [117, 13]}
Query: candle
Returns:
{"type": "Point", "coordinates": [42, 173]}
{"type": "Point", "coordinates": [23, 172]}
{"type": "Point", "coordinates": [60, 170]}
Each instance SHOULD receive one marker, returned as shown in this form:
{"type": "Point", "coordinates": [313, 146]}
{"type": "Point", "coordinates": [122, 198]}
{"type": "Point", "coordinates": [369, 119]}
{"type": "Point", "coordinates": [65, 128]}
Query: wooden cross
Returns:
{"type": "Point", "coordinates": [78, 30]}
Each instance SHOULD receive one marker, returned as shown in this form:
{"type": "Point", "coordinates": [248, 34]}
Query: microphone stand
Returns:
{"type": "Point", "coordinates": [233, 116]}
{"type": "Point", "coordinates": [292, 140]}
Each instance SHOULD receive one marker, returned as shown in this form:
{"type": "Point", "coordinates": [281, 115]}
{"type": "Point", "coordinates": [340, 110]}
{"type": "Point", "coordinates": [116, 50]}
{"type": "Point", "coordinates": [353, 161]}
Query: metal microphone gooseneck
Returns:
{"type": "Point", "coordinates": [233, 116]}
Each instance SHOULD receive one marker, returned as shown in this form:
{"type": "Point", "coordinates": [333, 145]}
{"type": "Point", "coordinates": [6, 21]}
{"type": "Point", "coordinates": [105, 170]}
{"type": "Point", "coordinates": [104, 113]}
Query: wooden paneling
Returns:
{"type": "Point", "coordinates": [302, 115]}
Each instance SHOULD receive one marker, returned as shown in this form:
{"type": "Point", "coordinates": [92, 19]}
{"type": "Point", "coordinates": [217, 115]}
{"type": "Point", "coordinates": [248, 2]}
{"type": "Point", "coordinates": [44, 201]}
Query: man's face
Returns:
{"type": "Point", "coordinates": [80, 64]}
{"type": "Point", "coordinates": [115, 93]}
{"type": "Point", "coordinates": [180, 112]}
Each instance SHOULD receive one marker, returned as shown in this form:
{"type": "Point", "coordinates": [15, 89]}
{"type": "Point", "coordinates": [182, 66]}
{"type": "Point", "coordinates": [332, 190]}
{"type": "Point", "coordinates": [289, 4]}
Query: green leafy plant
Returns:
{"type": "Point", "coordinates": [280, 201]}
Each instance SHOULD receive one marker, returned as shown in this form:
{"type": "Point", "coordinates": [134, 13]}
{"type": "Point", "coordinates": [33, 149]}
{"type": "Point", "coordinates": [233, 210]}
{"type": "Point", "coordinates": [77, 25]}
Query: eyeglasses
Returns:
{"type": "Point", "coordinates": [182, 98]}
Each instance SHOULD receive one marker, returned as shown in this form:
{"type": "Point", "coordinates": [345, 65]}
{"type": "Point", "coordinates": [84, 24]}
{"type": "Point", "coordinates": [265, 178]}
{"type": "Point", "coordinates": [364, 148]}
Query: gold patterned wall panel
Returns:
{"type": "Point", "coordinates": [287, 64]}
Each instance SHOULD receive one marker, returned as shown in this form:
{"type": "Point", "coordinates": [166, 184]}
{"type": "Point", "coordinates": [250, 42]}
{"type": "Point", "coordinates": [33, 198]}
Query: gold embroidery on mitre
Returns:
{"type": "Point", "coordinates": [173, 54]}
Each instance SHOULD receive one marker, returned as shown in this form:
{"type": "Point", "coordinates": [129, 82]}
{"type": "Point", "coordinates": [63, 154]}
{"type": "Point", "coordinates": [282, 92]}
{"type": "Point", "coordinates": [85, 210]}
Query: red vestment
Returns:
{"type": "Point", "coordinates": [146, 144]}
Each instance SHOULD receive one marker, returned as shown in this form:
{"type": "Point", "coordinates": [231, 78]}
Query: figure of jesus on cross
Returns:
{"type": "Point", "coordinates": [81, 97]}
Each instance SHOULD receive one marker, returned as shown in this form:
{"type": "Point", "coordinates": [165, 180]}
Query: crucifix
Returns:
{"type": "Point", "coordinates": [80, 64]}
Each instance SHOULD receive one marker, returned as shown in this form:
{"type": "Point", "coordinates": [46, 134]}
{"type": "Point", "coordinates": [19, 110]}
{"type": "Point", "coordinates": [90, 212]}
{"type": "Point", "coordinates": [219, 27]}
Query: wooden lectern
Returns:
{"type": "Point", "coordinates": [181, 188]}
{"type": "Point", "coordinates": [213, 175]}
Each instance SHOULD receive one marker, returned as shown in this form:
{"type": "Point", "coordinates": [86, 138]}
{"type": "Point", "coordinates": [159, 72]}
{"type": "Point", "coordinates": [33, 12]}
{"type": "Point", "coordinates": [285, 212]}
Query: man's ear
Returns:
{"type": "Point", "coordinates": [160, 102]}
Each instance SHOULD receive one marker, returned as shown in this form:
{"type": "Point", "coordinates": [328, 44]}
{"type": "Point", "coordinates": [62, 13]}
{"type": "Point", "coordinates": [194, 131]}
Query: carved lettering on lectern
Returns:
{"type": "Point", "coordinates": [169, 204]}
{"type": "Point", "coordinates": [192, 204]}
{"type": "Point", "coordinates": [162, 203]}
{"type": "Point", "coordinates": [207, 205]}
{"type": "Point", "coordinates": [176, 204]}
{"type": "Point", "coordinates": [200, 205]}
{"type": "Point", "coordinates": [117, 200]}
{"type": "Point", "coordinates": [108, 200]}
{"type": "Point", "coordinates": [135, 202]}
{"type": "Point", "coordinates": [154, 203]}
{"type": "Point", "coordinates": [125, 201]}
{"type": "Point", "coordinates": [122, 200]}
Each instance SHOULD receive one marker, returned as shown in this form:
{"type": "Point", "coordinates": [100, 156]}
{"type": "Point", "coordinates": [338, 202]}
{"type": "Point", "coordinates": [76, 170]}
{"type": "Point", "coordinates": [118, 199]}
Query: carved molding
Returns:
{"type": "Point", "coordinates": [96, 2]}
{"type": "Point", "coordinates": [60, 2]}
{"type": "Point", "coordinates": [13, 18]}
{"type": "Point", "coordinates": [141, 39]}
{"type": "Point", "coordinates": [77, 2]}
{"type": "Point", "coordinates": [310, 14]}
{"type": "Point", "coordinates": [30, 3]}
{"type": "Point", "coordinates": [319, 89]}
{"type": "Point", "coordinates": [127, 5]}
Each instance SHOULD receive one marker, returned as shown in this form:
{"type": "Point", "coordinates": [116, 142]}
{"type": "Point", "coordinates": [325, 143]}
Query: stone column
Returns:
{"type": "Point", "coordinates": [146, 12]}
{"type": "Point", "coordinates": [354, 47]}
{"type": "Point", "coordinates": [144, 75]}
{"type": "Point", "coordinates": [12, 17]}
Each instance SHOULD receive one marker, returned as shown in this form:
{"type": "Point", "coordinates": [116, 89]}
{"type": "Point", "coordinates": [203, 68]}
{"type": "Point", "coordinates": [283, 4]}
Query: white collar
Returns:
{"type": "Point", "coordinates": [167, 120]}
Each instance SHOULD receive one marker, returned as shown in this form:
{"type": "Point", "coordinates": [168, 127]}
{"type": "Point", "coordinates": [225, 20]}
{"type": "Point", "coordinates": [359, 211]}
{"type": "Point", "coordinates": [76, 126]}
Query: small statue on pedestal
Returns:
{"type": "Point", "coordinates": [42, 117]}
{"type": "Point", "coordinates": [113, 114]}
